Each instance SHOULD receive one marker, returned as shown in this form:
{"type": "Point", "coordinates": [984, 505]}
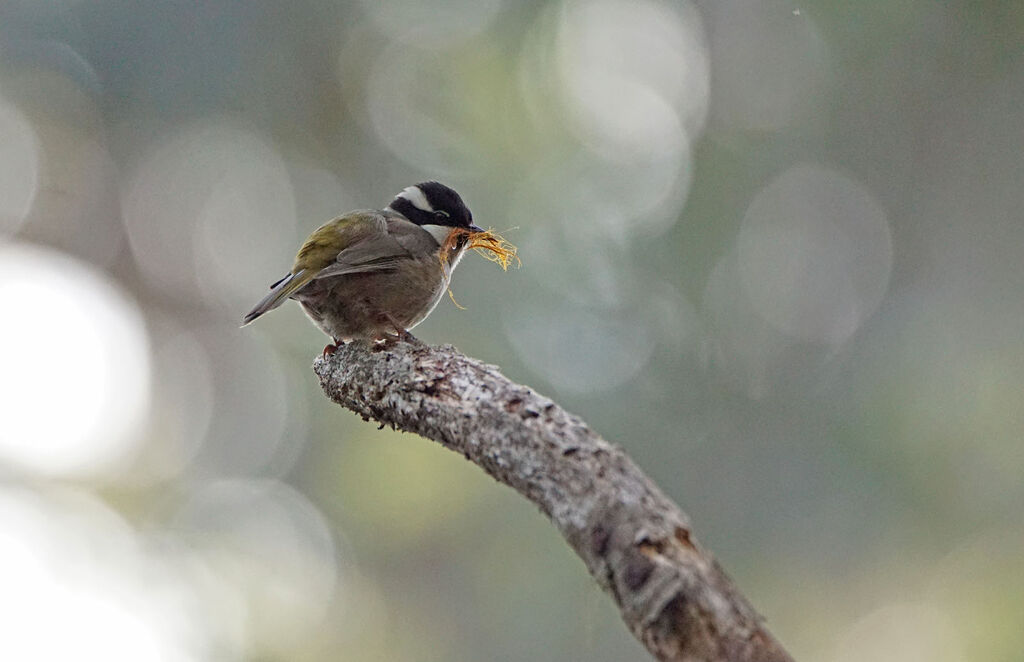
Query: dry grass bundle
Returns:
{"type": "Point", "coordinates": [490, 245]}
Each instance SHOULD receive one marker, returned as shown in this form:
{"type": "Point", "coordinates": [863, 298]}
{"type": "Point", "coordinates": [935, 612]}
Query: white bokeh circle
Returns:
{"type": "Point", "coordinates": [77, 584]}
{"type": "Point", "coordinates": [424, 125]}
{"type": "Point", "coordinates": [579, 350]}
{"type": "Point", "coordinates": [274, 546]}
{"type": "Point", "coordinates": [207, 209]}
{"type": "Point", "coordinates": [815, 254]}
{"type": "Point", "coordinates": [76, 367]}
{"type": "Point", "coordinates": [634, 75]}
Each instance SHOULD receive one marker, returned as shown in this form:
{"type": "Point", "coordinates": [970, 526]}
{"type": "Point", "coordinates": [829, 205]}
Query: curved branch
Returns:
{"type": "Point", "coordinates": [635, 542]}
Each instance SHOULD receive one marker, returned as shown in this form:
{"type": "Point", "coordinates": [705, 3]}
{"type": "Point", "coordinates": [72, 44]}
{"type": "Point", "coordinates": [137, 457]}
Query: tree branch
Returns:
{"type": "Point", "coordinates": [635, 542]}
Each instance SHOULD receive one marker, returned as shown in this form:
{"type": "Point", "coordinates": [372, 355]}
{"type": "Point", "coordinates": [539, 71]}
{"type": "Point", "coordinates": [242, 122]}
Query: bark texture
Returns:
{"type": "Point", "coordinates": [634, 540]}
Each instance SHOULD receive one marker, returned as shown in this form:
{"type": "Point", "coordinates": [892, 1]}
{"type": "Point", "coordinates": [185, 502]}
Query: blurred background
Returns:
{"type": "Point", "coordinates": [772, 249]}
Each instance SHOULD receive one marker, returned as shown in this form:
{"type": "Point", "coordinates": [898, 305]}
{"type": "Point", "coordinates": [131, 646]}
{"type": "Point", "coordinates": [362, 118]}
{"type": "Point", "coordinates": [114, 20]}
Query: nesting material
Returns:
{"type": "Point", "coordinates": [490, 245]}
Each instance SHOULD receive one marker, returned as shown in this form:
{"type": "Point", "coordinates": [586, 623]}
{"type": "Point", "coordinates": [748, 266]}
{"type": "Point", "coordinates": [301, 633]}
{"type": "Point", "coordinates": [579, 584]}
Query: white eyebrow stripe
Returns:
{"type": "Point", "coordinates": [414, 195]}
{"type": "Point", "coordinates": [438, 232]}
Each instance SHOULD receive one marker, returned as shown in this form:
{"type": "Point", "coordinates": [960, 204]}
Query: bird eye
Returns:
{"type": "Point", "coordinates": [442, 213]}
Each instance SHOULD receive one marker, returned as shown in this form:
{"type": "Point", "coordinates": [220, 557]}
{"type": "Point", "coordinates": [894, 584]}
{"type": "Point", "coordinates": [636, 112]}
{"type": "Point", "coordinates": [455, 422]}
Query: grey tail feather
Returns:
{"type": "Point", "coordinates": [278, 293]}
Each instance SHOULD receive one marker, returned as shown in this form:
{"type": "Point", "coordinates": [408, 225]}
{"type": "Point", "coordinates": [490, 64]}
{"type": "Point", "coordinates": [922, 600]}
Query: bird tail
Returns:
{"type": "Point", "coordinates": [279, 291]}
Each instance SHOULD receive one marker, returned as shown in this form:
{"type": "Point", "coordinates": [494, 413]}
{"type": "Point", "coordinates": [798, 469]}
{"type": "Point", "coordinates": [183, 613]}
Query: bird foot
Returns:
{"type": "Point", "coordinates": [330, 349]}
{"type": "Point", "coordinates": [401, 333]}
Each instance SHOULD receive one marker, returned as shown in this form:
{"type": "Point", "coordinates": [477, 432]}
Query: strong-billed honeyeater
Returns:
{"type": "Point", "coordinates": [374, 273]}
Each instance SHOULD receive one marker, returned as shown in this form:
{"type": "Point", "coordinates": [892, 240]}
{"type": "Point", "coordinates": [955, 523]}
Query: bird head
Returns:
{"type": "Point", "coordinates": [434, 204]}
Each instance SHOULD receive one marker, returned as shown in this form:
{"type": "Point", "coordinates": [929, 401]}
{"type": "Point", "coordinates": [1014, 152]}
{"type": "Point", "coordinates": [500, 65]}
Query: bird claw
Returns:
{"type": "Point", "coordinates": [401, 333]}
{"type": "Point", "coordinates": [330, 349]}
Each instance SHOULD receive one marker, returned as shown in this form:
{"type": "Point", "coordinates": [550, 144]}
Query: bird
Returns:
{"type": "Point", "coordinates": [373, 274]}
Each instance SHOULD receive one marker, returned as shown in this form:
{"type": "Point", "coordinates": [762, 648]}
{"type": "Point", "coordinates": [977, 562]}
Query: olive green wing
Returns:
{"type": "Point", "coordinates": [392, 241]}
{"type": "Point", "coordinates": [320, 250]}
{"type": "Point", "coordinates": [329, 241]}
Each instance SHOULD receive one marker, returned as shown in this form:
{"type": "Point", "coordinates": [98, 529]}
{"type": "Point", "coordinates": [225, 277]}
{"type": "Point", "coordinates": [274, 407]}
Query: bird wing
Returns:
{"type": "Point", "coordinates": [324, 246]}
{"type": "Point", "coordinates": [320, 251]}
{"type": "Point", "coordinates": [393, 241]}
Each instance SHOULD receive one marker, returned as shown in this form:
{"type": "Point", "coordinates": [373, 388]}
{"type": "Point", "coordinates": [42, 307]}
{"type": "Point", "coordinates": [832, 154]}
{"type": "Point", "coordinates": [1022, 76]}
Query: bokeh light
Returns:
{"type": "Point", "coordinates": [594, 199]}
{"type": "Point", "coordinates": [78, 583]}
{"type": "Point", "coordinates": [902, 633]}
{"type": "Point", "coordinates": [183, 402]}
{"type": "Point", "coordinates": [815, 254]}
{"type": "Point", "coordinates": [431, 26]}
{"type": "Point", "coordinates": [632, 87]}
{"type": "Point", "coordinates": [425, 124]}
{"type": "Point", "coordinates": [634, 74]}
{"type": "Point", "coordinates": [247, 432]}
{"type": "Point", "coordinates": [80, 415]}
{"type": "Point", "coordinates": [578, 350]}
{"type": "Point", "coordinates": [206, 210]}
{"type": "Point", "coordinates": [274, 547]}
{"type": "Point", "coordinates": [75, 206]}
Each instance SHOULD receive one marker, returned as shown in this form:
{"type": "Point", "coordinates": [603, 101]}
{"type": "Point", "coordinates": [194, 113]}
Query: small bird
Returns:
{"type": "Point", "coordinates": [371, 274]}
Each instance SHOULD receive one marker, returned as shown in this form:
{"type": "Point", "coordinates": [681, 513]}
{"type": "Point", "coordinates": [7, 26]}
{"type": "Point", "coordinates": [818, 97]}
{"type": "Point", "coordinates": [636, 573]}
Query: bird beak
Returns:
{"type": "Point", "coordinates": [475, 228]}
